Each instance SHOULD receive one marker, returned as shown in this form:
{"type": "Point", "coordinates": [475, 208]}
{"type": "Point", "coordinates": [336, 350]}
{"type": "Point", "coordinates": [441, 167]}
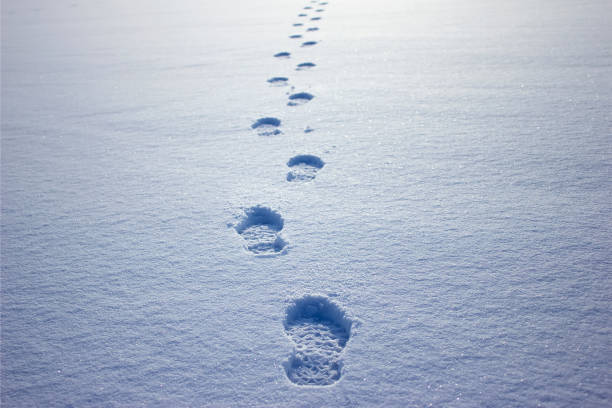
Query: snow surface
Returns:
{"type": "Point", "coordinates": [461, 222]}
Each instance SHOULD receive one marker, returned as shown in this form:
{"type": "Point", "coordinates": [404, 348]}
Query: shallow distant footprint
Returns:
{"type": "Point", "coordinates": [260, 229]}
{"type": "Point", "coordinates": [278, 81]}
{"type": "Point", "coordinates": [302, 15]}
{"type": "Point", "coordinates": [283, 54]}
{"type": "Point", "coordinates": [312, 29]}
{"type": "Point", "coordinates": [309, 43]}
{"type": "Point", "coordinates": [267, 126]}
{"type": "Point", "coordinates": [299, 98]}
{"type": "Point", "coordinates": [304, 66]}
{"type": "Point", "coordinates": [304, 167]}
{"type": "Point", "coordinates": [320, 10]}
{"type": "Point", "coordinates": [316, 18]}
{"type": "Point", "coordinates": [298, 24]}
{"type": "Point", "coordinates": [308, 8]}
{"type": "Point", "coordinates": [296, 36]}
{"type": "Point", "coordinates": [319, 330]}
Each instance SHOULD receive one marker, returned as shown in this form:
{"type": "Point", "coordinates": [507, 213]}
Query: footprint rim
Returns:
{"type": "Point", "coordinates": [316, 311]}
{"type": "Point", "coordinates": [308, 159]}
{"type": "Point", "coordinates": [266, 121]}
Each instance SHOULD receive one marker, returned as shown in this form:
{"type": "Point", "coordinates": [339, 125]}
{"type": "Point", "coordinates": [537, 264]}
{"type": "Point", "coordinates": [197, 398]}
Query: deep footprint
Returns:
{"type": "Point", "coordinates": [298, 24]}
{"type": "Point", "coordinates": [304, 167]}
{"type": "Point", "coordinates": [260, 229]}
{"type": "Point", "coordinates": [267, 126]}
{"type": "Point", "coordinates": [278, 81]}
{"type": "Point", "coordinates": [283, 54]}
{"type": "Point", "coordinates": [309, 43]}
{"type": "Point", "coordinates": [302, 15]}
{"type": "Point", "coordinates": [304, 66]}
{"type": "Point", "coordinates": [296, 36]}
{"type": "Point", "coordinates": [320, 330]}
{"type": "Point", "coordinates": [313, 29]}
{"type": "Point", "coordinates": [316, 18]}
{"type": "Point", "coordinates": [299, 98]}
{"type": "Point", "coordinates": [320, 10]}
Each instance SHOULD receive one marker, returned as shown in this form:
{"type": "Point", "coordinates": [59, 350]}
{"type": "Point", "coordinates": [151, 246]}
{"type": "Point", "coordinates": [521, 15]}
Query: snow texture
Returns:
{"type": "Point", "coordinates": [462, 220]}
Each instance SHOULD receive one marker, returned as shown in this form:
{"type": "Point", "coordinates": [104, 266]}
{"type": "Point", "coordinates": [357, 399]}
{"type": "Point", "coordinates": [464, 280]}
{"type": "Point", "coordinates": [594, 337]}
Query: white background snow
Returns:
{"type": "Point", "coordinates": [462, 218]}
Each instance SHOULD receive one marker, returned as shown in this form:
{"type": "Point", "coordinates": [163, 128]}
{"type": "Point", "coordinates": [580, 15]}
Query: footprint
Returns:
{"type": "Point", "coordinates": [299, 98]}
{"type": "Point", "coordinates": [296, 36]}
{"type": "Point", "coordinates": [304, 167]}
{"type": "Point", "coordinates": [278, 81]}
{"type": "Point", "coordinates": [313, 29]}
{"type": "Point", "coordinates": [308, 129]}
{"type": "Point", "coordinates": [302, 15]}
{"type": "Point", "coordinates": [304, 66]}
{"type": "Point", "coordinates": [316, 18]}
{"type": "Point", "coordinates": [320, 10]}
{"type": "Point", "coordinates": [308, 8]}
{"type": "Point", "coordinates": [283, 54]}
{"type": "Point", "coordinates": [323, 3]}
{"type": "Point", "coordinates": [319, 330]}
{"type": "Point", "coordinates": [260, 229]}
{"type": "Point", "coordinates": [267, 126]}
{"type": "Point", "coordinates": [309, 43]}
{"type": "Point", "coordinates": [298, 24]}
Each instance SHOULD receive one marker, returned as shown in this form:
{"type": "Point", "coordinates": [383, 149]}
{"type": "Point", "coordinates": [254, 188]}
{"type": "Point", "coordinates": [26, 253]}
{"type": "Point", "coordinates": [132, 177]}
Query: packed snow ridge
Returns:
{"type": "Point", "coordinates": [304, 167]}
{"type": "Point", "coordinates": [260, 228]}
{"type": "Point", "coordinates": [319, 330]}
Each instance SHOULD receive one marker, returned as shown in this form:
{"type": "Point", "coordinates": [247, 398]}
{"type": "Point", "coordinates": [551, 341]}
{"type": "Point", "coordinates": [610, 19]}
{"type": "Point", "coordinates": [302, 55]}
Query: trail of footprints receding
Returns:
{"type": "Point", "coordinates": [318, 328]}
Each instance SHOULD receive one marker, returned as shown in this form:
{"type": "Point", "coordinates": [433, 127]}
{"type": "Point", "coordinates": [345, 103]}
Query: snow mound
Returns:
{"type": "Point", "coordinates": [320, 330]}
{"type": "Point", "coordinates": [260, 229]}
{"type": "Point", "coordinates": [304, 167]}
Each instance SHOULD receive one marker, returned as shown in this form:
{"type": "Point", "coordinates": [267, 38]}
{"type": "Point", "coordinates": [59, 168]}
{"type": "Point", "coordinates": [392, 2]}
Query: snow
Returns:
{"type": "Point", "coordinates": [461, 222]}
